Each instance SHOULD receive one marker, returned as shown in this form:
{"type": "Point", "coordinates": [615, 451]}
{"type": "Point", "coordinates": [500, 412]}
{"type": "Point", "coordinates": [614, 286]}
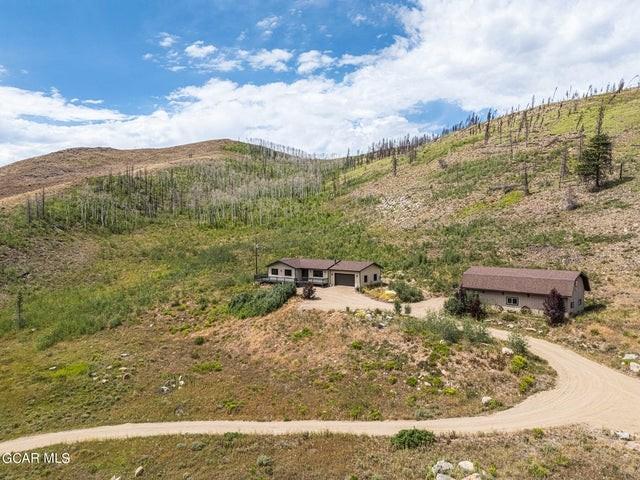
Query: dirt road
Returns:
{"type": "Point", "coordinates": [586, 392]}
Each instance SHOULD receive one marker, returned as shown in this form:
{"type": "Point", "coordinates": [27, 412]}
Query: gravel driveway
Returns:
{"type": "Point", "coordinates": [339, 298]}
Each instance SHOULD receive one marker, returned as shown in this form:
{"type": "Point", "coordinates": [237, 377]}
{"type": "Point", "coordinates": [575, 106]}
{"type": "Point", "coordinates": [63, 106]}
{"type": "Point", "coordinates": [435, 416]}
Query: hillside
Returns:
{"type": "Point", "coordinates": [134, 266]}
{"type": "Point", "coordinates": [58, 170]}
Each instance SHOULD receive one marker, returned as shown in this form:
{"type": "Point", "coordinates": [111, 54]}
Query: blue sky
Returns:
{"type": "Point", "coordinates": [318, 74]}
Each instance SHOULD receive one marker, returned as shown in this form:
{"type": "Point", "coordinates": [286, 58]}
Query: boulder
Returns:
{"type": "Point", "coordinates": [633, 446]}
{"type": "Point", "coordinates": [634, 367]}
{"type": "Point", "coordinates": [622, 435]}
{"type": "Point", "coordinates": [630, 356]}
{"type": "Point", "coordinates": [442, 466]}
{"type": "Point", "coordinates": [507, 351]}
{"type": "Point", "coordinates": [139, 471]}
{"type": "Point", "coordinates": [473, 476]}
{"type": "Point", "coordinates": [466, 466]}
{"type": "Point", "coordinates": [443, 476]}
{"type": "Point", "coordinates": [486, 400]}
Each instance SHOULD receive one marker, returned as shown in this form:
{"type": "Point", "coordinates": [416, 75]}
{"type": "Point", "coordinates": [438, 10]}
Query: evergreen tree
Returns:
{"type": "Point", "coordinates": [554, 308]}
{"type": "Point", "coordinates": [596, 159]}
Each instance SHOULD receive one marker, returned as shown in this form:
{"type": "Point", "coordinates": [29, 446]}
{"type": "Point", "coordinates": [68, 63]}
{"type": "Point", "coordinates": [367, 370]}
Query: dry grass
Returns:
{"type": "Point", "coordinates": [573, 453]}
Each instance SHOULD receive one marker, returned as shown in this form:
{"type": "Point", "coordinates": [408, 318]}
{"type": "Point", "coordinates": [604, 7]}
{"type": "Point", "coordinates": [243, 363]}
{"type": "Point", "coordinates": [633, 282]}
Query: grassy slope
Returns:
{"type": "Point", "coordinates": [428, 223]}
{"type": "Point", "coordinates": [555, 454]}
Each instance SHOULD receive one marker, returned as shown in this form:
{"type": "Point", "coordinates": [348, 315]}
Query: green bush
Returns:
{"type": "Point", "coordinates": [406, 293]}
{"type": "Point", "coordinates": [518, 363]}
{"type": "Point", "coordinates": [412, 438]}
{"type": "Point", "coordinates": [526, 383]}
{"type": "Point", "coordinates": [518, 344]}
{"type": "Point", "coordinates": [262, 301]}
{"type": "Point", "coordinates": [198, 340]}
{"type": "Point", "coordinates": [476, 332]}
{"type": "Point", "coordinates": [444, 327]}
{"type": "Point", "coordinates": [457, 304]}
{"type": "Point", "coordinates": [207, 367]}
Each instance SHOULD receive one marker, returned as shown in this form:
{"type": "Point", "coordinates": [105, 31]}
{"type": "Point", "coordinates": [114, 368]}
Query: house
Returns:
{"type": "Point", "coordinates": [522, 288]}
{"type": "Point", "coordinates": [323, 272]}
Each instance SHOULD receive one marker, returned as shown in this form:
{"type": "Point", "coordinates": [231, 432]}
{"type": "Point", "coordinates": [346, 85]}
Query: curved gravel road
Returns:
{"type": "Point", "coordinates": [586, 392]}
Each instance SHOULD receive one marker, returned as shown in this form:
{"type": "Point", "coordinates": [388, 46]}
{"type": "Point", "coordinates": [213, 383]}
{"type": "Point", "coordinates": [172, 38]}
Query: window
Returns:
{"type": "Point", "coordinates": [317, 273]}
{"type": "Point", "coordinates": [274, 271]}
{"type": "Point", "coordinates": [366, 279]}
{"type": "Point", "coordinates": [571, 304]}
{"type": "Point", "coordinates": [287, 272]}
{"type": "Point", "coordinates": [514, 301]}
{"type": "Point", "coordinates": [579, 301]}
{"type": "Point", "coordinates": [375, 277]}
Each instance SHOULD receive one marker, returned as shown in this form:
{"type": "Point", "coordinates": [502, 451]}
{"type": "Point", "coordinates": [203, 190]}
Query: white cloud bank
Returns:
{"type": "Point", "coordinates": [475, 53]}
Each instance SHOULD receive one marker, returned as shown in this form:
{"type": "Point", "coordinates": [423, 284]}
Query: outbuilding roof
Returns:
{"type": "Point", "coordinates": [523, 280]}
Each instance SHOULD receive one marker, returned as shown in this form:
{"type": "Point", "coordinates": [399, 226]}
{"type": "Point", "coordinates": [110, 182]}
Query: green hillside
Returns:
{"type": "Point", "coordinates": [141, 263]}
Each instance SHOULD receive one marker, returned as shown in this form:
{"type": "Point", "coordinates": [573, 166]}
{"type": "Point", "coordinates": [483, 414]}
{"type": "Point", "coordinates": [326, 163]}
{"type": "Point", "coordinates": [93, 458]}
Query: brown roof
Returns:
{"type": "Point", "coordinates": [311, 263]}
{"type": "Point", "coordinates": [322, 264]}
{"type": "Point", "coordinates": [352, 266]}
{"type": "Point", "coordinates": [523, 280]}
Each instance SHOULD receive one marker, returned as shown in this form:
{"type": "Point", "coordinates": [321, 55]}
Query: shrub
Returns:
{"type": "Point", "coordinates": [538, 471]}
{"type": "Point", "coordinates": [537, 433]}
{"type": "Point", "coordinates": [476, 332]}
{"type": "Point", "coordinates": [262, 301]}
{"type": "Point", "coordinates": [207, 367]}
{"type": "Point", "coordinates": [357, 344]}
{"type": "Point", "coordinates": [457, 303]}
{"type": "Point", "coordinates": [407, 309]}
{"type": "Point", "coordinates": [406, 293]}
{"type": "Point", "coordinates": [475, 308]}
{"type": "Point", "coordinates": [554, 308]}
{"type": "Point", "coordinates": [518, 344]}
{"type": "Point", "coordinates": [198, 340]}
{"type": "Point", "coordinates": [412, 381]}
{"type": "Point", "coordinates": [412, 438]}
{"type": "Point", "coordinates": [397, 307]}
{"type": "Point", "coordinates": [526, 383]}
{"type": "Point", "coordinates": [525, 310]}
{"type": "Point", "coordinates": [309, 291]}
{"type": "Point", "coordinates": [444, 327]}
{"type": "Point", "coordinates": [264, 461]}
{"type": "Point", "coordinates": [300, 334]}
{"type": "Point", "coordinates": [518, 363]}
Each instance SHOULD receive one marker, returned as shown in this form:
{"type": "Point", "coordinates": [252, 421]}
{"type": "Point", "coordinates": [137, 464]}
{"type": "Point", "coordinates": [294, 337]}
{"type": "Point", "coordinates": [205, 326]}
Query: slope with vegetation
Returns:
{"type": "Point", "coordinates": [115, 290]}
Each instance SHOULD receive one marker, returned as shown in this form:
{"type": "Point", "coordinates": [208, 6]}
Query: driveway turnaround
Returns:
{"type": "Point", "coordinates": [586, 392]}
{"type": "Point", "coordinates": [339, 298]}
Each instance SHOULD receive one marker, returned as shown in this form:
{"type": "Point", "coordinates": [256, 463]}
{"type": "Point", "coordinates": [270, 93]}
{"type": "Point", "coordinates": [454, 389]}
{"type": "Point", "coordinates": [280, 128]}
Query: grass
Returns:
{"type": "Point", "coordinates": [561, 453]}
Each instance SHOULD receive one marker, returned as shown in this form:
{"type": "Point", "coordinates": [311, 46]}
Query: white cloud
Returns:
{"type": "Point", "coordinates": [275, 59]}
{"type": "Point", "coordinates": [199, 50]}
{"type": "Point", "coordinates": [310, 61]}
{"type": "Point", "coordinates": [148, 56]}
{"type": "Point", "coordinates": [495, 53]}
{"type": "Point", "coordinates": [167, 40]}
{"type": "Point", "coordinates": [358, 19]}
{"type": "Point", "coordinates": [268, 24]}
{"type": "Point", "coordinates": [3, 70]}
{"type": "Point", "coordinates": [93, 101]}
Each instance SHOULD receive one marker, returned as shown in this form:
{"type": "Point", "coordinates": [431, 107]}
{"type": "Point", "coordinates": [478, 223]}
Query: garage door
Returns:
{"type": "Point", "coordinates": [348, 279]}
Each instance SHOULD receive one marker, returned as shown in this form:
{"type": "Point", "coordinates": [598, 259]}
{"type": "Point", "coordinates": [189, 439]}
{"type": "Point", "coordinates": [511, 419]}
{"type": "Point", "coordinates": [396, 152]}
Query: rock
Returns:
{"type": "Point", "coordinates": [442, 466]}
{"type": "Point", "coordinates": [622, 435]}
{"type": "Point", "coordinates": [466, 466]}
{"type": "Point", "coordinates": [124, 355]}
{"type": "Point", "coordinates": [473, 476]}
{"type": "Point", "coordinates": [54, 367]}
{"type": "Point", "coordinates": [126, 376]}
{"type": "Point", "coordinates": [634, 367]}
{"type": "Point", "coordinates": [443, 476]}
{"type": "Point", "coordinates": [630, 356]}
{"type": "Point", "coordinates": [164, 389]}
{"type": "Point", "coordinates": [115, 478]}
{"type": "Point", "coordinates": [486, 400]}
{"type": "Point", "coordinates": [507, 351]}
{"type": "Point", "coordinates": [633, 446]}
{"type": "Point", "coordinates": [139, 471]}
